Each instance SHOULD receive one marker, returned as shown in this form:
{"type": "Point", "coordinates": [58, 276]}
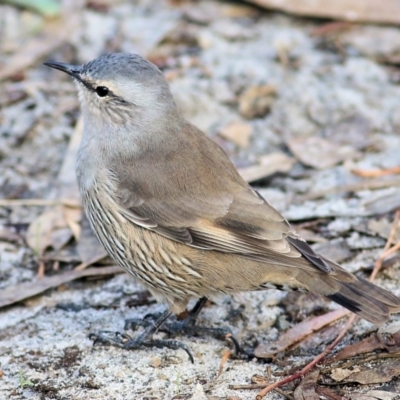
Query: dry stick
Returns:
{"type": "Point", "coordinates": [373, 173]}
{"type": "Point", "coordinates": [385, 253]}
{"type": "Point", "coordinates": [38, 202]}
{"type": "Point", "coordinates": [392, 250]}
{"type": "Point", "coordinates": [251, 386]}
{"type": "Point", "coordinates": [224, 359]}
{"type": "Point", "coordinates": [41, 269]}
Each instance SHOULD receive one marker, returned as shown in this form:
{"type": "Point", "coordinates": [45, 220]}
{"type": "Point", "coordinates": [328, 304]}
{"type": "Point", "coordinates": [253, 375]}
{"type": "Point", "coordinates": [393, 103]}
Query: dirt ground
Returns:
{"type": "Point", "coordinates": [309, 112]}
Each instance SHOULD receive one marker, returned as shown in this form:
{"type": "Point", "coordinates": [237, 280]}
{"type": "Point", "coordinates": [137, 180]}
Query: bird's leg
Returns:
{"type": "Point", "coordinates": [145, 339]}
{"type": "Point", "coordinates": [187, 326]}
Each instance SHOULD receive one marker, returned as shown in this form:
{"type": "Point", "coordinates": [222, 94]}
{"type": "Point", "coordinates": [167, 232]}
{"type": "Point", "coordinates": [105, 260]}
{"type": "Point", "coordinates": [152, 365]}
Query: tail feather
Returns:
{"type": "Point", "coordinates": [356, 294]}
{"type": "Point", "coordinates": [366, 300]}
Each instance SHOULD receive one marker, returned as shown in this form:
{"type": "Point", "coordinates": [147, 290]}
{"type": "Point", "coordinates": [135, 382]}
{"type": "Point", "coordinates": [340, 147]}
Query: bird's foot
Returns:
{"type": "Point", "coordinates": [124, 341]}
{"type": "Point", "coordinates": [186, 326]}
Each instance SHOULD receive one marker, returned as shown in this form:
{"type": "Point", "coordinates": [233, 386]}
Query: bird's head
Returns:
{"type": "Point", "coordinates": [120, 88]}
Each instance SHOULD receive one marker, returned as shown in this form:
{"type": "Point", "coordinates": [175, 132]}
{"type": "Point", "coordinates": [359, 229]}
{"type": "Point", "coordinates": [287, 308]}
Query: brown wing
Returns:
{"type": "Point", "coordinates": [190, 192]}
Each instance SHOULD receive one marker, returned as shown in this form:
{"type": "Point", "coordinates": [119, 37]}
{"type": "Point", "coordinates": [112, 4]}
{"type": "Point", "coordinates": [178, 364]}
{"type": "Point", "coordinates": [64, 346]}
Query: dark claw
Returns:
{"type": "Point", "coordinates": [238, 349]}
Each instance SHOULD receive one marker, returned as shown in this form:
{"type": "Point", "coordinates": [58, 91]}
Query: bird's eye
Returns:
{"type": "Point", "coordinates": [102, 91]}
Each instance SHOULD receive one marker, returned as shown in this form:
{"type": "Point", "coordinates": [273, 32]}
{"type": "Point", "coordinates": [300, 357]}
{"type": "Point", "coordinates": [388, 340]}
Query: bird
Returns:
{"type": "Point", "coordinates": [170, 207]}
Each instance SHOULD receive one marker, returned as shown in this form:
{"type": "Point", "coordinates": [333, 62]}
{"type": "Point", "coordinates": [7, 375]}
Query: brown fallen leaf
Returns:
{"type": "Point", "coordinates": [348, 10]}
{"type": "Point", "coordinates": [25, 290]}
{"type": "Point", "coordinates": [269, 164]}
{"type": "Point", "coordinates": [384, 339]}
{"type": "Point", "coordinates": [155, 362]}
{"type": "Point", "coordinates": [237, 132]}
{"type": "Point", "coordinates": [368, 375]}
{"type": "Point", "coordinates": [306, 389]}
{"type": "Point", "coordinates": [339, 374]}
{"type": "Point", "coordinates": [45, 231]}
{"type": "Point", "coordinates": [298, 333]}
{"type": "Point", "coordinates": [320, 153]}
{"type": "Point", "coordinates": [256, 101]}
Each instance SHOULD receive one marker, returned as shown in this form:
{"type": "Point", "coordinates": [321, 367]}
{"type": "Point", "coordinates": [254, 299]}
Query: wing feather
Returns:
{"type": "Point", "coordinates": [200, 207]}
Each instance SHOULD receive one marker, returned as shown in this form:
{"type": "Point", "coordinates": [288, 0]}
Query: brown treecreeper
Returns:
{"type": "Point", "coordinates": [169, 206]}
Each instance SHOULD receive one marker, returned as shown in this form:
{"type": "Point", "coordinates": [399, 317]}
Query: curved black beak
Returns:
{"type": "Point", "coordinates": [73, 70]}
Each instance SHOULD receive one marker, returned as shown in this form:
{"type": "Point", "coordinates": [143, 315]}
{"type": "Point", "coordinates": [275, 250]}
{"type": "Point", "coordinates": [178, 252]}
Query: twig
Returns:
{"type": "Point", "coordinates": [38, 202]}
{"type": "Point", "coordinates": [41, 270]}
{"type": "Point", "coordinates": [248, 387]}
{"type": "Point", "coordinates": [86, 264]}
{"type": "Point", "coordinates": [25, 290]}
{"type": "Point", "coordinates": [355, 187]}
{"type": "Point", "coordinates": [224, 359]}
{"type": "Point", "coordinates": [374, 173]}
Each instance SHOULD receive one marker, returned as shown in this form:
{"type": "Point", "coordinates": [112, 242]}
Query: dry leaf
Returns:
{"type": "Point", "coordinates": [155, 362]}
{"type": "Point", "coordinates": [237, 132]}
{"type": "Point", "coordinates": [269, 165]}
{"type": "Point", "coordinates": [387, 11]}
{"type": "Point", "coordinates": [306, 389]}
{"type": "Point", "coordinates": [22, 291]}
{"type": "Point", "coordinates": [298, 333]}
{"type": "Point", "coordinates": [338, 374]}
{"type": "Point", "coordinates": [320, 153]}
{"type": "Point", "coordinates": [367, 376]}
{"type": "Point", "coordinates": [44, 231]}
{"type": "Point", "coordinates": [387, 338]}
{"type": "Point", "coordinates": [256, 101]}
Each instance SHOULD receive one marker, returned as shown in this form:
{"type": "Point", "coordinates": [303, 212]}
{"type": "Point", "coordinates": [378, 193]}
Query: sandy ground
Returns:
{"type": "Point", "coordinates": [338, 87]}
